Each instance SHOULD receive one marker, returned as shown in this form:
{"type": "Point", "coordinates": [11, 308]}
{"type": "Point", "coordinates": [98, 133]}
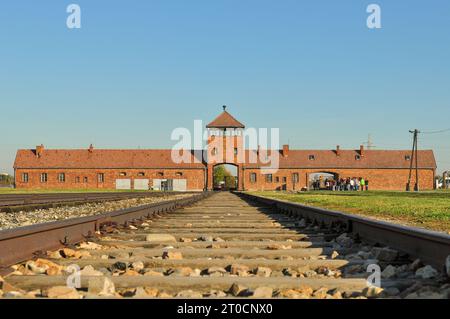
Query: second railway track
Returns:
{"type": "Point", "coordinates": [26, 202]}
{"type": "Point", "coordinates": [223, 246]}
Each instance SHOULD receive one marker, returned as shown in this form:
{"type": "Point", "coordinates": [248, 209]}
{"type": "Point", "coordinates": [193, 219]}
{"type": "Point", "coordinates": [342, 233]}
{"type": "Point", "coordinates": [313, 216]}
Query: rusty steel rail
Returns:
{"type": "Point", "coordinates": [12, 202]}
{"type": "Point", "coordinates": [23, 243]}
{"type": "Point", "coordinates": [430, 246]}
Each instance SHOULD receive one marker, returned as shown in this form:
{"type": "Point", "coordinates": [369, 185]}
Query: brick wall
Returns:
{"type": "Point", "coordinates": [379, 179]}
{"type": "Point", "coordinates": [195, 178]}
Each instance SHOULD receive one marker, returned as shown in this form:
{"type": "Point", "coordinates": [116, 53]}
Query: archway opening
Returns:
{"type": "Point", "coordinates": [225, 177]}
{"type": "Point", "coordinates": [323, 181]}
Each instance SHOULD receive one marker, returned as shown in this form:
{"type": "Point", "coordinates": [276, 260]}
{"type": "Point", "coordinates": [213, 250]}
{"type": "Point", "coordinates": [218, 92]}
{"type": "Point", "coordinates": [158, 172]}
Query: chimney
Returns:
{"type": "Point", "coordinates": [285, 150]}
{"type": "Point", "coordinates": [39, 150]}
{"type": "Point", "coordinates": [361, 150]}
{"type": "Point", "coordinates": [91, 148]}
{"type": "Point", "coordinates": [338, 150]}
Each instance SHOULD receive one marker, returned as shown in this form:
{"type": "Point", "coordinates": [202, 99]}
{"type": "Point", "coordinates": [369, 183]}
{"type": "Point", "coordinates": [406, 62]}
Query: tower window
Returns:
{"type": "Point", "coordinates": [235, 151]}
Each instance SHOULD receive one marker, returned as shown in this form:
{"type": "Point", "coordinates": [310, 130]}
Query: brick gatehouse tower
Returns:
{"type": "Point", "coordinates": [225, 146]}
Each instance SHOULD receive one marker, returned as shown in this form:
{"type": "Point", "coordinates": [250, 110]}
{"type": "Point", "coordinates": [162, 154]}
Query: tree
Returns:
{"type": "Point", "coordinates": [6, 179]}
{"type": "Point", "coordinates": [221, 174]}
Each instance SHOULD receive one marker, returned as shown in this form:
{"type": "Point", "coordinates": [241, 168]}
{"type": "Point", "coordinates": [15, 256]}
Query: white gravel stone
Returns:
{"type": "Point", "coordinates": [334, 254]}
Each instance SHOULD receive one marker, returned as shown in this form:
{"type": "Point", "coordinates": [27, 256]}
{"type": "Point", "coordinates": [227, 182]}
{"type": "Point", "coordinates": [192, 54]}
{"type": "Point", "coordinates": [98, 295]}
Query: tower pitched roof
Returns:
{"type": "Point", "coordinates": [225, 120]}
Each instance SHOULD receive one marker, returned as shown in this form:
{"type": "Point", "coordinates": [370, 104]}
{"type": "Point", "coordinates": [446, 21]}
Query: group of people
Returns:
{"type": "Point", "coordinates": [347, 184]}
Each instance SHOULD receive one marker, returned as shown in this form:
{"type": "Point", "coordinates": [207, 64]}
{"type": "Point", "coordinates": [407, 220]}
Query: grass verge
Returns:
{"type": "Point", "coordinates": [430, 210]}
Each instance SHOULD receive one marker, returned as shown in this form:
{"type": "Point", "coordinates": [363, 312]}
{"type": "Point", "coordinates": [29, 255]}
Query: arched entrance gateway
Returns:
{"type": "Point", "coordinates": [225, 155]}
{"type": "Point", "coordinates": [322, 180]}
{"type": "Point", "coordinates": [225, 177]}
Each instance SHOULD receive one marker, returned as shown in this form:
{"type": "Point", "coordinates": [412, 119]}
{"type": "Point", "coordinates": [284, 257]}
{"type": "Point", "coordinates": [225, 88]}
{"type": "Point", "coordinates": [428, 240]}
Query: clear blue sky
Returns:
{"type": "Point", "coordinates": [138, 69]}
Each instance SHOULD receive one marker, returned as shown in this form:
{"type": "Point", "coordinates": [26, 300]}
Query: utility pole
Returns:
{"type": "Point", "coordinates": [414, 159]}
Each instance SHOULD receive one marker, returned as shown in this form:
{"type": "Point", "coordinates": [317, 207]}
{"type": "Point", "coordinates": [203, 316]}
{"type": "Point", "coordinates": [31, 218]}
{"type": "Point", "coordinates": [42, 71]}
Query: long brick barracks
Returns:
{"type": "Point", "coordinates": [92, 168]}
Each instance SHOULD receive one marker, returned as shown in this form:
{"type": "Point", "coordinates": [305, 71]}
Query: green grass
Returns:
{"type": "Point", "coordinates": [430, 209]}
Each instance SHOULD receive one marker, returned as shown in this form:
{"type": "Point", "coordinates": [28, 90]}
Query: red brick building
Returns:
{"type": "Point", "coordinates": [92, 168]}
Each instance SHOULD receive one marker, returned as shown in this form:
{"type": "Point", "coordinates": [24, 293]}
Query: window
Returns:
{"type": "Point", "coordinates": [252, 177]}
{"type": "Point", "coordinates": [44, 177]}
{"type": "Point", "coordinates": [123, 174]}
{"type": "Point", "coordinates": [277, 179]}
{"type": "Point", "coordinates": [178, 174]}
{"type": "Point", "coordinates": [77, 179]}
{"type": "Point", "coordinates": [101, 177]}
{"type": "Point", "coordinates": [407, 157]}
{"type": "Point", "coordinates": [25, 177]}
{"type": "Point", "coordinates": [85, 179]}
{"type": "Point", "coordinates": [269, 178]}
{"type": "Point", "coordinates": [214, 151]}
{"type": "Point", "coordinates": [311, 157]}
{"type": "Point", "coordinates": [141, 174]}
{"type": "Point", "coordinates": [235, 151]}
{"type": "Point", "coordinates": [295, 178]}
{"type": "Point", "coordinates": [160, 174]}
{"type": "Point", "coordinates": [284, 179]}
{"type": "Point", "coordinates": [61, 177]}
{"type": "Point", "coordinates": [357, 157]}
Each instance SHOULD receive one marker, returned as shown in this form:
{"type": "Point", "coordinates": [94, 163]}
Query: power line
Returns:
{"type": "Point", "coordinates": [437, 132]}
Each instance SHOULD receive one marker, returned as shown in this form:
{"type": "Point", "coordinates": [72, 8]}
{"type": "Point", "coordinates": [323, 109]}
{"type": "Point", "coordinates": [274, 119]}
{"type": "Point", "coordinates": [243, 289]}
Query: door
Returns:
{"type": "Point", "coordinates": [179, 185]}
{"type": "Point", "coordinates": [141, 184]}
{"type": "Point", "coordinates": [123, 183]}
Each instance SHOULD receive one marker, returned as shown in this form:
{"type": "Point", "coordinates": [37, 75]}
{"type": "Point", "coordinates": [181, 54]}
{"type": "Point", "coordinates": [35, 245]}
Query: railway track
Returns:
{"type": "Point", "coordinates": [221, 246]}
{"type": "Point", "coordinates": [24, 202]}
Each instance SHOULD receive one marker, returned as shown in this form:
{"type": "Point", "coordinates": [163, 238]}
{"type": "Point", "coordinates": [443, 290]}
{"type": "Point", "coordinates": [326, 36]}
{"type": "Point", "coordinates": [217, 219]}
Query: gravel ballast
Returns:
{"type": "Point", "coordinates": [39, 216]}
